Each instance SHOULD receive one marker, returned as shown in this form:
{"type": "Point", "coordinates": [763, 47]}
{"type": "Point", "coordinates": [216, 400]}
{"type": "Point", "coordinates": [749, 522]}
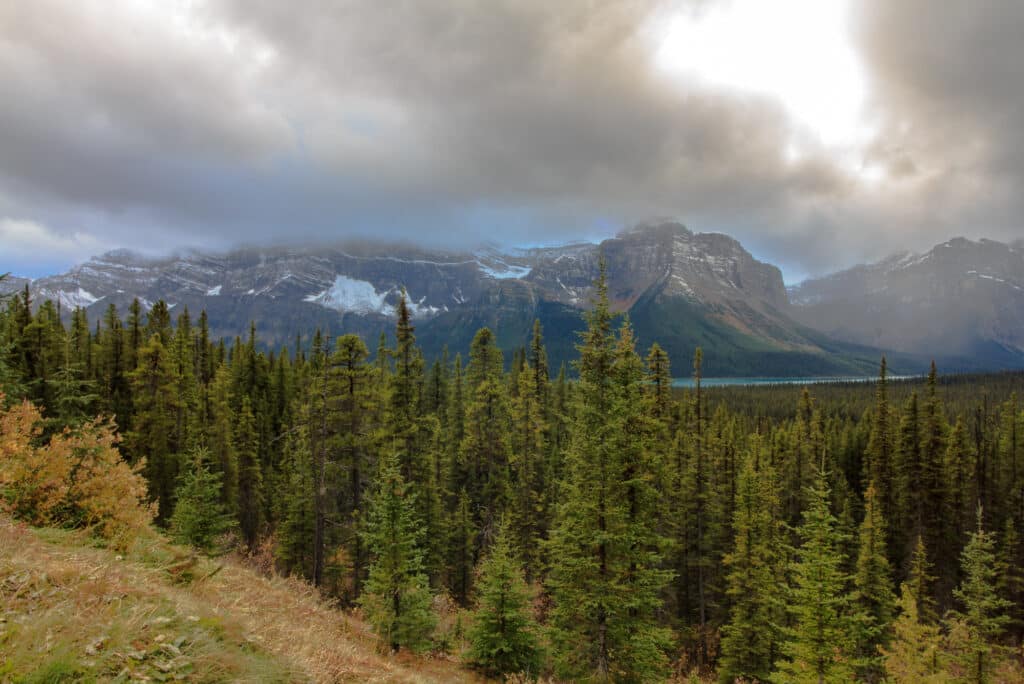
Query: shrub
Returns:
{"type": "Point", "coordinates": [78, 479]}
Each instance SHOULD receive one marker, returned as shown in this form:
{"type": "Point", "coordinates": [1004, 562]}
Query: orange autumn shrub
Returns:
{"type": "Point", "coordinates": [78, 479]}
{"type": "Point", "coordinates": [32, 484]}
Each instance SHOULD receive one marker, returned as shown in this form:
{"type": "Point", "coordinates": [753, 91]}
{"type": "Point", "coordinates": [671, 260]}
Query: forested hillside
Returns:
{"type": "Point", "coordinates": [579, 524]}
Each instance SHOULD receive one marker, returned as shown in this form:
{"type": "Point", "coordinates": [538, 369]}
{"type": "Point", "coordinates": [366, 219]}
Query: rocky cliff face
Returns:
{"type": "Point", "coordinates": [707, 268]}
{"type": "Point", "coordinates": [665, 275]}
{"type": "Point", "coordinates": [367, 279]}
{"type": "Point", "coordinates": [961, 297]}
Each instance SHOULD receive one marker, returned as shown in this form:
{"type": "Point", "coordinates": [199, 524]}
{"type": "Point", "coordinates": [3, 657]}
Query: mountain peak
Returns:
{"type": "Point", "coordinates": [956, 298]}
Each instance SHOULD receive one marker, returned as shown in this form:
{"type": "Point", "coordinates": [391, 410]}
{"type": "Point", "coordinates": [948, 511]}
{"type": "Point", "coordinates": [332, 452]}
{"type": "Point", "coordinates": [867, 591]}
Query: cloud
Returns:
{"type": "Point", "coordinates": [30, 246]}
{"type": "Point", "coordinates": [165, 123]}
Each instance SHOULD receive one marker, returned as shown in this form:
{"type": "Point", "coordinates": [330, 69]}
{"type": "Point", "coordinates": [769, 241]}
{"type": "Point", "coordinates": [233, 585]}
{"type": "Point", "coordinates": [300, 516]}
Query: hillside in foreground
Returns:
{"type": "Point", "coordinates": [70, 611]}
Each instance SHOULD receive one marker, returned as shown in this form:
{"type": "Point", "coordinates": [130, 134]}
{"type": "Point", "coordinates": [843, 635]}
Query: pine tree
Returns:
{"type": "Point", "coordinates": [396, 596]}
{"type": "Point", "coordinates": [976, 629]}
{"type": "Point", "coordinates": [820, 644]}
{"type": "Point", "coordinates": [874, 597]}
{"type": "Point", "coordinates": [504, 636]}
{"type": "Point", "coordinates": [750, 640]}
{"type": "Point", "coordinates": [199, 517]}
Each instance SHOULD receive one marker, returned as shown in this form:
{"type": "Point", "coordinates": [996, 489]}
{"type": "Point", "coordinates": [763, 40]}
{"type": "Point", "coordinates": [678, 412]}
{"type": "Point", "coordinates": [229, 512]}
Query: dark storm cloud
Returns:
{"type": "Point", "coordinates": [454, 122]}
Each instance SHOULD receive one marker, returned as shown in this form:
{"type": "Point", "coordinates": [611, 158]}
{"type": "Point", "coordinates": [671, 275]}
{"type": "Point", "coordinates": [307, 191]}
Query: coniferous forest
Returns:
{"type": "Point", "coordinates": [582, 523]}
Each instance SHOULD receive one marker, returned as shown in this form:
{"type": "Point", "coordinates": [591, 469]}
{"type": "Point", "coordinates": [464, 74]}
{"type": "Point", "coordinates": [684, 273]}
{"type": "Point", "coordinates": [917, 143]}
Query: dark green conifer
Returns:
{"type": "Point", "coordinates": [396, 596]}
{"type": "Point", "coordinates": [820, 644]}
{"type": "Point", "coordinates": [199, 517]}
{"type": "Point", "coordinates": [504, 635]}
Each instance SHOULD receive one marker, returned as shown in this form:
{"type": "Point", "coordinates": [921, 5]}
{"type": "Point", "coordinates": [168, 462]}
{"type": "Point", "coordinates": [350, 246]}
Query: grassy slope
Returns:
{"type": "Point", "coordinates": [679, 326]}
{"type": "Point", "coordinates": [73, 612]}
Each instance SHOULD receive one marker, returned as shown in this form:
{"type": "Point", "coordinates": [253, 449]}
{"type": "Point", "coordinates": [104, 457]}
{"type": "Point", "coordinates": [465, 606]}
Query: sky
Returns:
{"type": "Point", "coordinates": [820, 133]}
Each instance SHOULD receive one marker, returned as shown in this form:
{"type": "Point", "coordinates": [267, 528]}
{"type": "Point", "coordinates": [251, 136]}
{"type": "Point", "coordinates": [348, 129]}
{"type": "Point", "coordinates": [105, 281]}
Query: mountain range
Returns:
{"type": "Point", "coordinates": [962, 301]}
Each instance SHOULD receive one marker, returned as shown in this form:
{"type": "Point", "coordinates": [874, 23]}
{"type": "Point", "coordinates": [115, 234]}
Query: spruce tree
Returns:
{"type": "Point", "coordinates": [199, 517]}
{"type": "Point", "coordinates": [880, 462]}
{"type": "Point", "coordinates": [486, 449]}
{"type": "Point", "coordinates": [113, 371]}
{"type": "Point", "coordinates": [249, 495]}
{"type": "Point", "coordinates": [916, 653]}
{"type": "Point", "coordinates": [920, 582]}
{"type": "Point", "coordinates": [960, 484]}
{"type": "Point", "coordinates": [529, 448]}
{"type": "Point", "coordinates": [820, 644]}
{"type": "Point", "coordinates": [396, 597]}
{"type": "Point", "coordinates": [750, 639]}
{"type": "Point", "coordinates": [154, 426]}
{"type": "Point", "coordinates": [220, 437]}
{"type": "Point", "coordinates": [1010, 583]}
{"type": "Point", "coordinates": [351, 408]}
{"type": "Point", "coordinates": [604, 579]}
{"type": "Point", "coordinates": [295, 501]}
{"type": "Point", "coordinates": [874, 597]}
{"type": "Point", "coordinates": [660, 383]}
{"type": "Point", "coordinates": [938, 536]}
{"type": "Point", "coordinates": [504, 636]}
{"type": "Point", "coordinates": [462, 545]}
{"type": "Point", "coordinates": [976, 628]}
{"type": "Point", "coordinates": [1011, 459]}
{"type": "Point", "coordinates": [909, 471]}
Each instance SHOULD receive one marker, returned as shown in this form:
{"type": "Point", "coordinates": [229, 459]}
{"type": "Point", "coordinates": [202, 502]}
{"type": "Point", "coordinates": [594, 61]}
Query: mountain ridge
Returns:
{"type": "Point", "coordinates": [680, 288]}
{"type": "Point", "coordinates": [961, 298]}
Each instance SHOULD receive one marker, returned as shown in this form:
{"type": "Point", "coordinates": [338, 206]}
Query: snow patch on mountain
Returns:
{"type": "Point", "coordinates": [214, 291]}
{"type": "Point", "coordinates": [349, 294]}
{"type": "Point", "coordinates": [421, 309]}
{"type": "Point", "coordinates": [494, 263]}
{"type": "Point", "coordinates": [509, 271]}
{"type": "Point", "coordinates": [71, 299]}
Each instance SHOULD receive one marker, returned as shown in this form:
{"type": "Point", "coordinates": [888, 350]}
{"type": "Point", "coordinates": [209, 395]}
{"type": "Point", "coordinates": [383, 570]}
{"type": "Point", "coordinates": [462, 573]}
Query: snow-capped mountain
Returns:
{"type": "Point", "coordinates": [962, 297]}
{"type": "Point", "coordinates": [681, 289]}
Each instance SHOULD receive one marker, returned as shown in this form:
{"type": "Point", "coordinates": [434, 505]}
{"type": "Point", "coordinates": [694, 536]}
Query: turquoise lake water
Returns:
{"type": "Point", "coordinates": [729, 382]}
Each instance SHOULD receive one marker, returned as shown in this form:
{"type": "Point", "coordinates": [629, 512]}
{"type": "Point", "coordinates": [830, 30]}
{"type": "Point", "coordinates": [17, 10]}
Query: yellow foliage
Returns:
{"type": "Point", "coordinates": [79, 478]}
{"type": "Point", "coordinates": [33, 484]}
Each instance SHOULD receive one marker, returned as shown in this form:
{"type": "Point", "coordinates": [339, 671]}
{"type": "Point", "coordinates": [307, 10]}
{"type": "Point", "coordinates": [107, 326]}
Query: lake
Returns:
{"type": "Point", "coordinates": [731, 382]}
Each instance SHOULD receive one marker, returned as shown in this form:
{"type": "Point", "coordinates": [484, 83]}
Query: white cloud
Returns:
{"type": "Point", "coordinates": [26, 245]}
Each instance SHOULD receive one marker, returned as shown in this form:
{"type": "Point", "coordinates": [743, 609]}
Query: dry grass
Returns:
{"type": "Point", "coordinates": [69, 611]}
